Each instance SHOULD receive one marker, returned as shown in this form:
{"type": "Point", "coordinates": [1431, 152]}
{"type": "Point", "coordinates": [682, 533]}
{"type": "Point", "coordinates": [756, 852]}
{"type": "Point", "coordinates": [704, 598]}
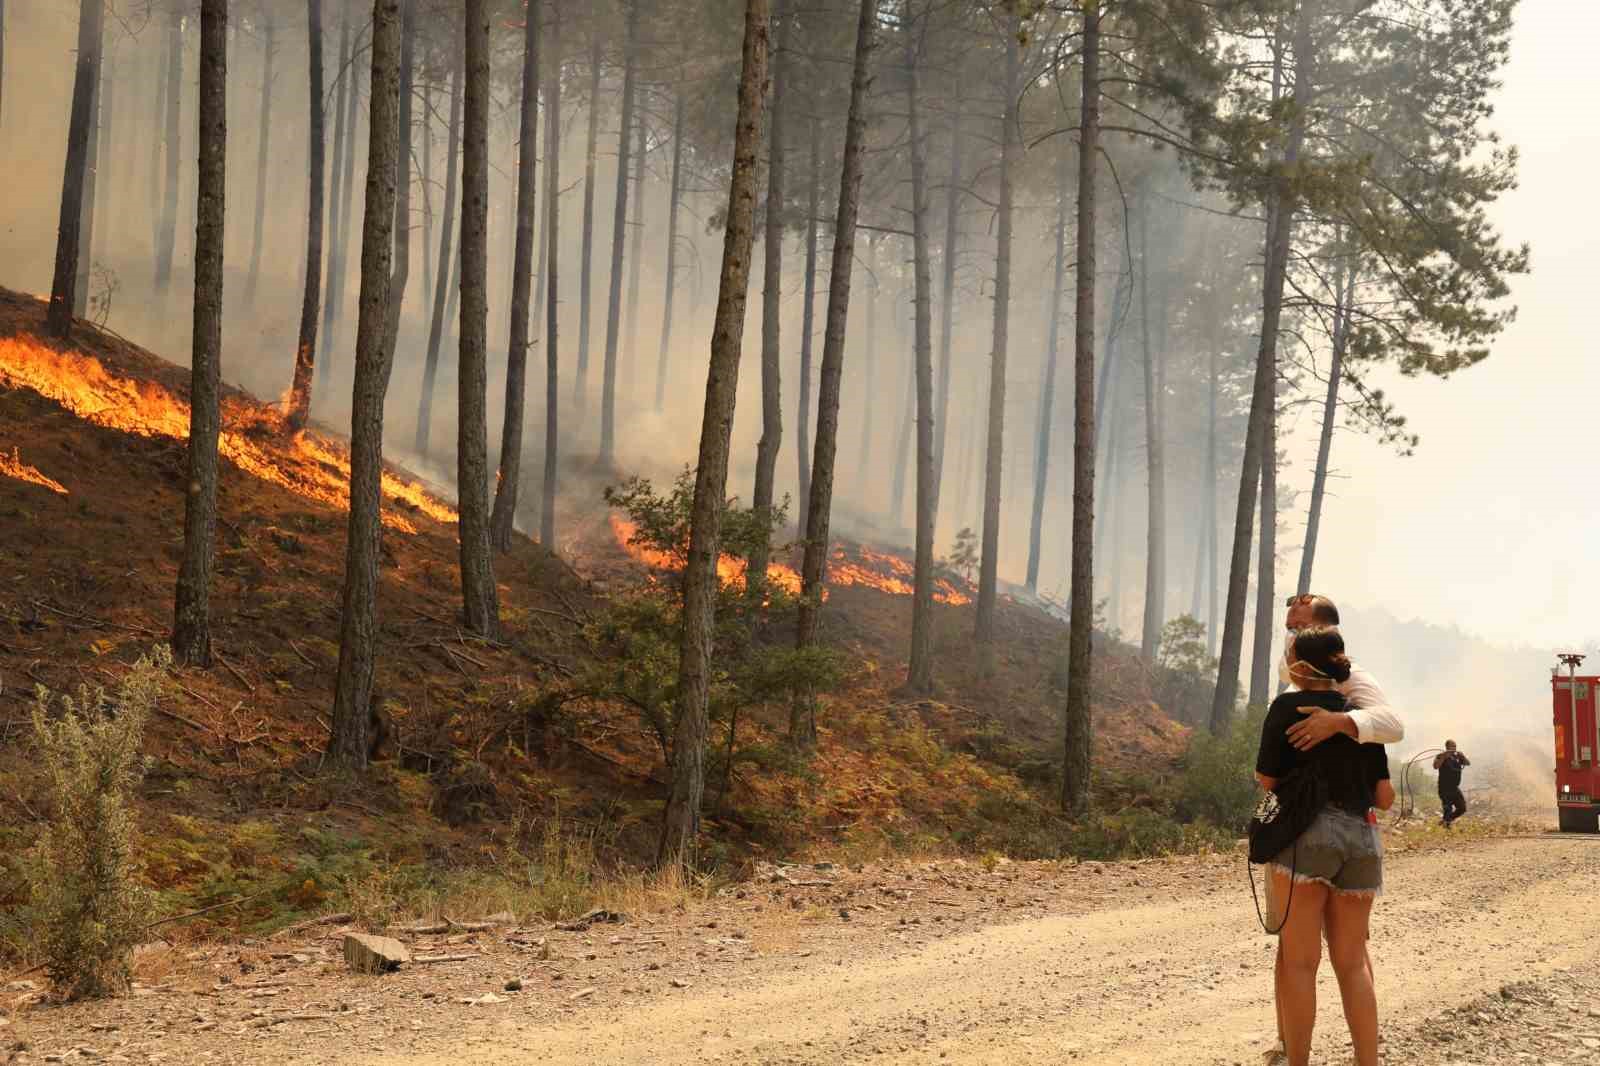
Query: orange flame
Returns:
{"type": "Point", "coordinates": [860, 566]}
{"type": "Point", "coordinates": [13, 466]}
{"type": "Point", "coordinates": [309, 465]}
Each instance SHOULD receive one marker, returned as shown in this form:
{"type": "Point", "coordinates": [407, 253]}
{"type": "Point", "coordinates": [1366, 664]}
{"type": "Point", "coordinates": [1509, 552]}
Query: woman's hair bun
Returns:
{"type": "Point", "coordinates": [1322, 648]}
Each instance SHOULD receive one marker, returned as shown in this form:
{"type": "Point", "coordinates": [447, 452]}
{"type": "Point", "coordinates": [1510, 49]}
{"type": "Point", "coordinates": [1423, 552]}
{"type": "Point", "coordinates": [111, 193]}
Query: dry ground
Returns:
{"type": "Point", "coordinates": [1485, 953]}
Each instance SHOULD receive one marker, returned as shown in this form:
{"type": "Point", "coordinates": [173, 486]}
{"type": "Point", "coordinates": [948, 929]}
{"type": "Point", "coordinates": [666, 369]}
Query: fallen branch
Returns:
{"type": "Point", "coordinates": [311, 923]}
{"type": "Point", "coordinates": [424, 959]}
{"type": "Point", "coordinates": [175, 716]}
{"type": "Point", "coordinates": [248, 687]}
{"type": "Point", "coordinates": [205, 910]}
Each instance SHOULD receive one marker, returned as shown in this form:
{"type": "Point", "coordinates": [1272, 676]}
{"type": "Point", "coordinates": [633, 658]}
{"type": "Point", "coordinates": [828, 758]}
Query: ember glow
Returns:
{"type": "Point", "coordinates": [858, 565]}
{"type": "Point", "coordinates": [12, 466]}
{"type": "Point", "coordinates": [309, 465]}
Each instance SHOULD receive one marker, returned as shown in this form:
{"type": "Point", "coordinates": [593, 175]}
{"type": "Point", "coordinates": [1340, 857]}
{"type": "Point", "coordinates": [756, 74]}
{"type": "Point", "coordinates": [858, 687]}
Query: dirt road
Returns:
{"type": "Point", "coordinates": [1161, 963]}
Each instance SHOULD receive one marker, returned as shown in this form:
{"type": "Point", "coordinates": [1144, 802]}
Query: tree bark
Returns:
{"type": "Point", "coordinates": [952, 237]}
{"type": "Point", "coordinates": [813, 575]}
{"type": "Point", "coordinates": [586, 283]}
{"type": "Point", "coordinates": [681, 824]}
{"type": "Point", "coordinates": [306, 352]}
{"type": "Point", "coordinates": [919, 672]}
{"type": "Point", "coordinates": [503, 520]}
{"type": "Point", "coordinates": [478, 593]}
{"type": "Point", "coordinates": [1266, 561]}
{"type": "Point", "coordinates": [191, 630]}
{"type": "Point", "coordinates": [771, 441]}
{"type": "Point", "coordinates": [552, 230]}
{"type": "Point", "coordinates": [869, 366]}
{"type": "Point", "coordinates": [1155, 567]}
{"type": "Point", "coordinates": [636, 240]}
{"type": "Point", "coordinates": [91, 182]}
{"type": "Point", "coordinates": [402, 225]}
{"type": "Point", "coordinates": [353, 697]}
{"type": "Point", "coordinates": [263, 145]}
{"type": "Point", "coordinates": [1211, 513]}
{"type": "Point", "coordinates": [619, 232]}
{"type": "Point", "coordinates": [674, 193]}
{"type": "Point", "coordinates": [335, 316]}
{"type": "Point", "coordinates": [904, 443]}
{"type": "Point", "coordinates": [1344, 294]}
{"type": "Point", "coordinates": [333, 288]}
{"type": "Point", "coordinates": [989, 565]}
{"type": "Point", "coordinates": [427, 186]}
{"type": "Point", "coordinates": [1280, 214]}
{"type": "Point", "coordinates": [91, 17]}
{"type": "Point", "coordinates": [1047, 398]}
{"type": "Point", "coordinates": [808, 325]}
{"type": "Point", "coordinates": [1075, 762]}
{"type": "Point", "coordinates": [174, 97]}
{"type": "Point", "coordinates": [443, 282]}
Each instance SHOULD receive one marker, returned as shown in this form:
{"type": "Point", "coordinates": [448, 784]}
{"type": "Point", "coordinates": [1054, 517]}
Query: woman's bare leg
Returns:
{"type": "Point", "coordinates": [1348, 916]}
{"type": "Point", "coordinates": [1299, 952]}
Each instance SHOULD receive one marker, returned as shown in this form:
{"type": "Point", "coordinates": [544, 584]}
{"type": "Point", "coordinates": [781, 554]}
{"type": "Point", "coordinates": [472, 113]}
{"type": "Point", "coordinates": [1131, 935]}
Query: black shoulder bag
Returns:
{"type": "Point", "coordinates": [1280, 819]}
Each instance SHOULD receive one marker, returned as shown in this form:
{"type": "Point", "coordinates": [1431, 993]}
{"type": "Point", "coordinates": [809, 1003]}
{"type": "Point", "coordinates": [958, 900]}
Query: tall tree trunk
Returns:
{"type": "Point", "coordinates": [680, 827]}
{"type": "Point", "coordinates": [1075, 762]}
{"type": "Point", "coordinates": [636, 240]}
{"type": "Point", "coordinates": [443, 283]}
{"type": "Point", "coordinates": [1047, 399]}
{"type": "Point", "coordinates": [947, 296]}
{"type": "Point", "coordinates": [1210, 511]}
{"type": "Point", "coordinates": [353, 708]}
{"type": "Point", "coordinates": [580, 383]}
{"type": "Point", "coordinates": [478, 593]}
{"type": "Point", "coordinates": [675, 192]}
{"type": "Point", "coordinates": [904, 443]}
{"type": "Point", "coordinates": [91, 17]}
{"type": "Point", "coordinates": [174, 97]}
{"type": "Point", "coordinates": [157, 118]}
{"type": "Point", "coordinates": [91, 181]}
{"type": "Point", "coordinates": [869, 364]}
{"type": "Point", "coordinates": [402, 225]}
{"type": "Point", "coordinates": [808, 325]}
{"type": "Point", "coordinates": [820, 510]}
{"type": "Point", "coordinates": [503, 520]}
{"type": "Point", "coordinates": [619, 233]}
{"type": "Point", "coordinates": [333, 288]}
{"type": "Point", "coordinates": [989, 565]}
{"type": "Point", "coordinates": [342, 238]}
{"type": "Point", "coordinates": [1266, 564]}
{"type": "Point", "coordinates": [191, 630]}
{"type": "Point", "coordinates": [1155, 567]}
{"type": "Point", "coordinates": [427, 186]}
{"type": "Point", "coordinates": [1280, 223]}
{"type": "Point", "coordinates": [771, 298]}
{"type": "Point", "coordinates": [306, 352]}
{"type": "Point", "coordinates": [269, 51]}
{"type": "Point", "coordinates": [919, 672]}
{"type": "Point", "coordinates": [1344, 294]}
{"type": "Point", "coordinates": [552, 234]}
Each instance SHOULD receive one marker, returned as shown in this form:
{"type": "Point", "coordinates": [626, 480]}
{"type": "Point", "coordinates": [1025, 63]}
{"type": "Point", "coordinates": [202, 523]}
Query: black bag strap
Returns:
{"type": "Point", "coordinates": [1294, 857]}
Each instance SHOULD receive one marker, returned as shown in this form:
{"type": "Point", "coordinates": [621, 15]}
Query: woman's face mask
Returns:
{"type": "Point", "coordinates": [1284, 676]}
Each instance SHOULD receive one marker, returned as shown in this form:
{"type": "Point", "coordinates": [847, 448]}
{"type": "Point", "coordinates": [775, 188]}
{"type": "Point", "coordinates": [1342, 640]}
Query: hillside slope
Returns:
{"type": "Point", "coordinates": [483, 764]}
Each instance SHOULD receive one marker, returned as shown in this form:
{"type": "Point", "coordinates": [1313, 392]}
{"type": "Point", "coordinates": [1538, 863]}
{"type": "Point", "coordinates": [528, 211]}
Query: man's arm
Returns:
{"type": "Point", "coordinates": [1438, 760]}
{"type": "Point", "coordinates": [1374, 719]}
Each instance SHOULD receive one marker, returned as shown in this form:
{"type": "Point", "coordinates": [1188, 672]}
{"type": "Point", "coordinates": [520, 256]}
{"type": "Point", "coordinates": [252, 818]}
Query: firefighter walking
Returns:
{"type": "Point", "coordinates": [1449, 763]}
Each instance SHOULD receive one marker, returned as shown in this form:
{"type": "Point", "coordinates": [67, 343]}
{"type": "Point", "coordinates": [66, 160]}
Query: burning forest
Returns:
{"type": "Point", "coordinates": [998, 350]}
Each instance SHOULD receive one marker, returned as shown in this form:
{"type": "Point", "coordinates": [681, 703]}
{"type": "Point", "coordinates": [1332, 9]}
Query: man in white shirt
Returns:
{"type": "Point", "coordinates": [1370, 719]}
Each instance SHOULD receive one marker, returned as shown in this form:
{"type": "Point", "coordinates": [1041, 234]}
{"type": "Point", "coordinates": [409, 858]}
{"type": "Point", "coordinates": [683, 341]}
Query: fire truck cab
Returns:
{"type": "Point", "coordinates": [1577, 746]}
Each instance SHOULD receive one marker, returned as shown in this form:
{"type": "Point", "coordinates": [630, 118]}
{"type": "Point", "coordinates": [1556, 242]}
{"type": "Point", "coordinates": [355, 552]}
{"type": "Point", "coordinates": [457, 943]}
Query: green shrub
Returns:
{"type": "Point", "coordinates": [89, 907]}
{"type": "Point", "coordinates": [1218, 784]}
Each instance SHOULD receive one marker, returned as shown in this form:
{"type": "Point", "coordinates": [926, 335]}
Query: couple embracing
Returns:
{"type": "Point", "coordinates": [1322, 748]}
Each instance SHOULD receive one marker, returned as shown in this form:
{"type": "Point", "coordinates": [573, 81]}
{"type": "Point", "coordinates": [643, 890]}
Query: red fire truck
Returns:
{"type": "Point", "coordinates": [1577, 746]}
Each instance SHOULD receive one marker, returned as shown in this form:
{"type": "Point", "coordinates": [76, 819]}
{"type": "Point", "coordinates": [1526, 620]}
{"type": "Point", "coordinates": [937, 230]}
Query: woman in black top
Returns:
{"type": "Point", "coordinates": [1332, 874]}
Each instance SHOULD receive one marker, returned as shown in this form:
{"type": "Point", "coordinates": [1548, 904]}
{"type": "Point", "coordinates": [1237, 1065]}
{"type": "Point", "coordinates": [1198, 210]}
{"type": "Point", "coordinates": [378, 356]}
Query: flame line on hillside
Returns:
{"type": "Point", "coordinates": [12, 466]}
{"type": "Point", "coordinates": [867, 568]}
{"type": "Point", "coordinates": [311, 466]}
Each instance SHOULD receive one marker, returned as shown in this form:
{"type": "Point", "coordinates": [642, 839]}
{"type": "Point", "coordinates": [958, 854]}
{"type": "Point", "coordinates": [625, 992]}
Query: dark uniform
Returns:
{"type": "Point", "coordinates": [1450, 796]}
